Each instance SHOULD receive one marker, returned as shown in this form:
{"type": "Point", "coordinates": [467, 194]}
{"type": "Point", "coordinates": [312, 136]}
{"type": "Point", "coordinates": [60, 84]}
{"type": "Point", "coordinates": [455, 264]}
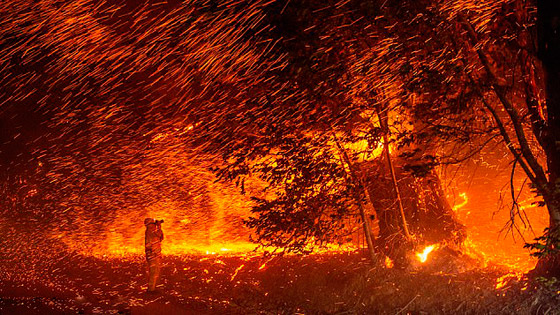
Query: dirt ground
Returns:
{"type": "Point", "coordinates": [318, 284]}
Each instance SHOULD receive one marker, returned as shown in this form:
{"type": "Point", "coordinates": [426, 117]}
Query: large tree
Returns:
{"type": "Point", "coordinates": [313, 138]}
{"type": "Point", "coordinates": [548, 28]}
{"type": "Point", "coordinates": [472, 72]}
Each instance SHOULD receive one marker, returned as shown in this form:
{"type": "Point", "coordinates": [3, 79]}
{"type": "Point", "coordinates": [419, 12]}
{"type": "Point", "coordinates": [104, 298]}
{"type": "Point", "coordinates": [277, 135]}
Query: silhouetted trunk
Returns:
{"type": "Point", "coordinates": [548, 23]}
{"type": "Point", "coordinates": [384, 122]}
{"type": "Point", "coordinates": [364, 215]}
{"type": "Point", "coordinates": [429, 216]}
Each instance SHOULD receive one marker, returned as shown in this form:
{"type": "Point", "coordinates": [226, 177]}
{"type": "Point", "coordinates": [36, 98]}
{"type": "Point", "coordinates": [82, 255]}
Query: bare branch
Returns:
{"type": "Point", "coordinates": [537, 170]}
{"type": "Point", "coordinates": [538, 123]}
{"type": "Point", "coordinates": [506, 137]}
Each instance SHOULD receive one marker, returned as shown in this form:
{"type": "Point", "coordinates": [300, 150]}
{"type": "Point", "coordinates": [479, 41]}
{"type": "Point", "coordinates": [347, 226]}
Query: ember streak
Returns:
{"type": "Point", "coordinates": [249, 126]}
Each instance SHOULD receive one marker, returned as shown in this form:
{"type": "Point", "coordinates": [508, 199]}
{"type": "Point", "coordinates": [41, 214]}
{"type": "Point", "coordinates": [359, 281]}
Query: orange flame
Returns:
{"type": "Point", "coordinates": [423, 256]}
{"type": "Point", "coordinates": [503, 280]}
{"type": "Point", "coordinates": [389, 262]}
{"type": "Point", "coordinates": [462, 204]}
{"type": "Point", "coordinates": [236, 271]}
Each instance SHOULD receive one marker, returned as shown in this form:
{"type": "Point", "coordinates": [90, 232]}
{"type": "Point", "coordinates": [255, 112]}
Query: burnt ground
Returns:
{"type": "Point", "coordinates": [317, 284]}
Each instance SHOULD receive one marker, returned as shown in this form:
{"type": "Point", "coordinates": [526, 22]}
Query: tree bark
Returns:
{"type": "Point", "coordinates": [548, 31]}
{"type": "Point", "coordinates": [383, 121]}
{"type": "Point", "coordinates": [361, 207]}
{"type": "Point", "coordinates": [548, 24]}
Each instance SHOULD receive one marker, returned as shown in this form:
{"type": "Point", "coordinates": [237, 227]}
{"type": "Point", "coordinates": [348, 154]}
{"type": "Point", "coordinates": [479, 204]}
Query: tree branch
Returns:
{"type": "Point", "coordinates": [538, 123]}
{"type": "Point", "coordinates": [363, 212]}
{"type": "Point", "coordinates": [505, 136]}
{"type": "Point", "coordinates": [537, 170]}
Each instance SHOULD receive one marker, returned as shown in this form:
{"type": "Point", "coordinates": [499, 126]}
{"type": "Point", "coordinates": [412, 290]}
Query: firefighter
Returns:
{"type": "Point", "coordinates": [154, 236]}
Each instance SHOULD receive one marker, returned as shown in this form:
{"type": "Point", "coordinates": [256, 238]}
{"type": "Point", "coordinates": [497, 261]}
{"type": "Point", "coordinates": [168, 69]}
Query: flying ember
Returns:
{"type": "Point", "coordinates": [278, 156]}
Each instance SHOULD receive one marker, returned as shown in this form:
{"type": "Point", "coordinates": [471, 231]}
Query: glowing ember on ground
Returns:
{"type": "Point", "coordinates": [503, 280]}
{"type": "Point", "coordinates": [388, 262]}
{"type": "Point", "coordinates": [236, 271]}
{"type": "Point", "coordinates": [423, 256]}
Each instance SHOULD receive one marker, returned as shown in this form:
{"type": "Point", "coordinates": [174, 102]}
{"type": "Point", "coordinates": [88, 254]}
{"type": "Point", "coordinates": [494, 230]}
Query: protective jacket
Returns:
{"type": "Point", "coordinates": [154, 236]}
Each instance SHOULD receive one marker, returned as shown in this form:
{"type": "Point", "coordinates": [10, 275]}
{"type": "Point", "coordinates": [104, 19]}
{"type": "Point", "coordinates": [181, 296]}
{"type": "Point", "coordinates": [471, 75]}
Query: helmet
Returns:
{"type": "Point", "coordinates": [148, 221]}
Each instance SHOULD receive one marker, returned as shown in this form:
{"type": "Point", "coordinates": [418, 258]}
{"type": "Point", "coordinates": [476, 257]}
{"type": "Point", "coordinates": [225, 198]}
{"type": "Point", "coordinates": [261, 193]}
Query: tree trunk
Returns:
{"type": "Point", "coordinates": [548, 28]}
{"type": "Point", "coordinates": [384, 122]}
{"type": "Point", "coordinates": [366, 224]}
{"type": "Point", "coordinates": [429, 216]}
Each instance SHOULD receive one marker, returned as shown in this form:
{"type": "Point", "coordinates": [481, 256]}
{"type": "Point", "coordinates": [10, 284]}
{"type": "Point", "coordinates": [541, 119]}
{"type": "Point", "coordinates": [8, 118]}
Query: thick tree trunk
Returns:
{"type": "Point", "coordinates": [548, 24]}
{"type": "Point", "coordinates": [430, 218]}
{"type": "Point", "coordinates": [553, 148]}
{"type": "Point", "coordinates": [549, 52]}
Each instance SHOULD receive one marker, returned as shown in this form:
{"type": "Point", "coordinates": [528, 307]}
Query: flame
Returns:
{"type": "Point", "coordinates": [503, 280]}
{"type": "Point", "coordinates": [236, 271]}
{"type": "Point", "coordinates": [389, 262]}
{"type": "Point", "coordinates": [423, 256]}
{"type": "Point", "coordinates": [462, 204]}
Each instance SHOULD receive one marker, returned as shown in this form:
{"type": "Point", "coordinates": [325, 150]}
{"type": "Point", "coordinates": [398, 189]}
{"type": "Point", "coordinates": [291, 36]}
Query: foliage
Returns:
{"type": "Point", "coordinates": [313, 200]}
{"type": "Point", "coordinates": [344, 66]}
{"type": "Point", "coordinates": [546, 245]}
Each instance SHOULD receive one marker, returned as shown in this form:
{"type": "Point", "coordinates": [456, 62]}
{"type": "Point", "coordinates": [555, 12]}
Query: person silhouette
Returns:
{"type": "Point", "coordinates": [153, 239]}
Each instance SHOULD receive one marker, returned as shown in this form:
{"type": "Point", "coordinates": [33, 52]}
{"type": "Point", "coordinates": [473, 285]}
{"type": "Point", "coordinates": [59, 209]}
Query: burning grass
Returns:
{"type": "Point", "coordinates": [244, 284]}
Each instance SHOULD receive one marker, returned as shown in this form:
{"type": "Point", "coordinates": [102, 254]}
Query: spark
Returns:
{"type": "Point", "coordinates": [236, 271]}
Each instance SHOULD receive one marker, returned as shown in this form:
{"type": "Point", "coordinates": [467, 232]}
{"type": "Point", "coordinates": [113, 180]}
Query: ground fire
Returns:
{"type": "Point", "coordinates": [279, 157]}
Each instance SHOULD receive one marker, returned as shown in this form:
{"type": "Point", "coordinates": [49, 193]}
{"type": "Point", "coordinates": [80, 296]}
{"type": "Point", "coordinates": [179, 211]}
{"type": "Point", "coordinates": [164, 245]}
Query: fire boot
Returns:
{"type": "Point", "coordinates": [154, 268]}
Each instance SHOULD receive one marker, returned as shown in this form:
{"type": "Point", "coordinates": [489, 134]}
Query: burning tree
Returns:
{"type": "Point", "coordinates": [340, 107]}
{"type": "Point", "coordinates": [472, 74]}
{"type": "Point", "coordinates": [465, 73]}
{"type": "Point", "coordinates": [314, 139]}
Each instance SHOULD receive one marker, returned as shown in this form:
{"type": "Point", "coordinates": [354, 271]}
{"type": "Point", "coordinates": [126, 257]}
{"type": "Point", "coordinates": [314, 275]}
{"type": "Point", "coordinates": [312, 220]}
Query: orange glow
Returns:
{"type": "Point", "coordinates": [236, 271]}
{"type": "Point", "coordinates": [210, 222]}
{"type": "Point", "coordinates": [462, 204]}
{"type": "Point", "coordinates": [423, 256]}
{"type": "Point", "coordinates": [502, 281]}
{"type": "Point", "coordinates": [389, 262]}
